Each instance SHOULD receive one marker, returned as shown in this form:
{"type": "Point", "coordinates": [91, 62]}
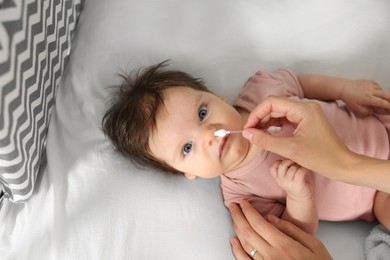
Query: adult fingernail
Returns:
{"type": "Point", "coordinates": [243, 203]}
{"type": "Point", "coordinates": [231, 206]}
{"type": "Point", "coordinates": [273, 219]}
{"type": "Point", "coordinates": [247, 134]}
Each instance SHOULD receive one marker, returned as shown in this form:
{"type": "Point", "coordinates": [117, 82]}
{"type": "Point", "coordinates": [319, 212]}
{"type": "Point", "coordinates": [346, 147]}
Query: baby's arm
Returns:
{"type": "Point", "coordinates": [360, 95]}
{"type": "Point", "coordinates": [300, 206]}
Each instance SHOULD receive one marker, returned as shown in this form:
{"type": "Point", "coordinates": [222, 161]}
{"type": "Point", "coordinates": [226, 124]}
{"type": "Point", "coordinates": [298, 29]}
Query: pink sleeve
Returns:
{"type": "Point", "coordinates": [262, 205]}
{"type": "Point", "coordinates": [282, 82]}
{"type": "Point", "coordinates": [267, 207]}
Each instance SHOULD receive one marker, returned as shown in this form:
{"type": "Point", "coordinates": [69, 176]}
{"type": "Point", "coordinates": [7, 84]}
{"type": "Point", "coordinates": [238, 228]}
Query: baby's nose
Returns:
{"type": "Point", "coordinates": [209, 134]}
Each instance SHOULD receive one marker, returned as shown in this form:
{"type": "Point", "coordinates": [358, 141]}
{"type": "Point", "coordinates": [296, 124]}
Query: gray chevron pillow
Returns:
{"type": "Point", "coordinates": [35, 39]}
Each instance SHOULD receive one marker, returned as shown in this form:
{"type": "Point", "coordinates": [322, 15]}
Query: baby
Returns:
{"type": "Point", "coordinates": [168, 120]}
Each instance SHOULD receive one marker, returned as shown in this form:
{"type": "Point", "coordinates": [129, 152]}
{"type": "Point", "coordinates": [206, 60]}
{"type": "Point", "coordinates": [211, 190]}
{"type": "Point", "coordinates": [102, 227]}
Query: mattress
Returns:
{"type": "Point", "coordinates": [91, 203]}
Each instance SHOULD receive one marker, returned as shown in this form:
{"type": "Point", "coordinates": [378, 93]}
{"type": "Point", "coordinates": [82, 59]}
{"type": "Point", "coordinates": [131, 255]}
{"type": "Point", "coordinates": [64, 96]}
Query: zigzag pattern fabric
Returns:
{"type": "Point", "coordinates": [35, 37]}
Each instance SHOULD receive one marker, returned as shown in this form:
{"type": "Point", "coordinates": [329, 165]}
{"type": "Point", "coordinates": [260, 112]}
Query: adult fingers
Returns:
{"type": "Point", "coordinates": [307, 240]}
{"type": "Point", "coordinates": [238, 251]}
{"type": "Point", "coordinates": [280, 245]}
{"type": "Point", "coordinates": [276, 107]}
{"type": "Point", "coordinates": [244, 251]}
{"type": "Point", "coordinates": [269, 234]}
{"type": "Point", "coordinates": [269, 142]}
{"type": "Point", "coordinates": [247, 235]}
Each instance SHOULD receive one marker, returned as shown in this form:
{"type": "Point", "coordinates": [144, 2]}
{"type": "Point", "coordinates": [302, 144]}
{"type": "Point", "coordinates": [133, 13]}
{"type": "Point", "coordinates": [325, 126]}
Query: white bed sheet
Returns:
{"type": "Point", "coordinates": [92, 204]}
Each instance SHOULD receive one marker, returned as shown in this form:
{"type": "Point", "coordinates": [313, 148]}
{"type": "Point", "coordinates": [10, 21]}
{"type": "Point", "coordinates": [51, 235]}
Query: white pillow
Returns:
{"type": "Point", "coordinates": [93, 204]}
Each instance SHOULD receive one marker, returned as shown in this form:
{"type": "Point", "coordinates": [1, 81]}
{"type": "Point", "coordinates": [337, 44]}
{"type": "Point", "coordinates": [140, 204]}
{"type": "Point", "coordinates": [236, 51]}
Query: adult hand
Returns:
{"type": "Point", "coordinates": [314, 144]}
{"type": "Point", "coordinates": [272, 239]}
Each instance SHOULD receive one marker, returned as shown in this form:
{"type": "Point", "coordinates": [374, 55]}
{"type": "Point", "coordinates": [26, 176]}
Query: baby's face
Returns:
{"type": "Point", "coordinates": [184, 136]}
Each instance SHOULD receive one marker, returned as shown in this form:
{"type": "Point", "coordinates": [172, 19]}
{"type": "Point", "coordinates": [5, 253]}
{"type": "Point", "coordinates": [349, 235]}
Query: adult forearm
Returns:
{"type": "Point", "coordinates": [364, 171]}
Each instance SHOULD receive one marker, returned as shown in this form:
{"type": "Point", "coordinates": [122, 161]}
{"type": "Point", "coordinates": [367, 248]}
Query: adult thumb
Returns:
{"type": "Point", "coordinates": [265, 140]}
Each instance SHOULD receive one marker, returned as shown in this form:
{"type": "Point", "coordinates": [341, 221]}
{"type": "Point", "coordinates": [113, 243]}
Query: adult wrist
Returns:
{"type": "Point", "coordinates": [351, 163]}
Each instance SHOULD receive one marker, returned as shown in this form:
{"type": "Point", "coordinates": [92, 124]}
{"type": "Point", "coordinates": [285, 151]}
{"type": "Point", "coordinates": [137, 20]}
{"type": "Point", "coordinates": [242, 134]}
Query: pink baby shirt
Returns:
{"type": "Point", "coordinates": [336, 201]}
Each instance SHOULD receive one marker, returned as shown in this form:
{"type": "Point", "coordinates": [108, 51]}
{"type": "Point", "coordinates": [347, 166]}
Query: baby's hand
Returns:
{"type": "Point", "coordinates": [363, 96]}
{"type": "Point", "coordinates": [291, 177]}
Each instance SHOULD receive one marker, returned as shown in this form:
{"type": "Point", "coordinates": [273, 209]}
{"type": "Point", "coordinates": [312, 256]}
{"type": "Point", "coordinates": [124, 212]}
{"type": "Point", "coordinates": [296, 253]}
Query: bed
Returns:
{"type": "Point", "coordinates": [75, 197]}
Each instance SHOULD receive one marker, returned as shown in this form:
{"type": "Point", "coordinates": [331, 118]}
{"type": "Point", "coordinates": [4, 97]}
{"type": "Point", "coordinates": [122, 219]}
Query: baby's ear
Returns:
{"type": "Point", "coordinates": [190, 176]}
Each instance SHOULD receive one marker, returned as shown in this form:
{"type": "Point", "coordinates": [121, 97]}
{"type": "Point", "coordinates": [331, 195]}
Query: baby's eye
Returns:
{"type": "Point", "coordinates": [202, 112]}
{"type": "Point", "coordinates": [187, 148]}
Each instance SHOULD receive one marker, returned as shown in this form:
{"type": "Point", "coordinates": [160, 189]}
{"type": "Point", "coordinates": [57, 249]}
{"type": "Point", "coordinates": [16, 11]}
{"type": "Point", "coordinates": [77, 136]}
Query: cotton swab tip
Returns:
{"type": "Point", "coordinates": [223, 132]}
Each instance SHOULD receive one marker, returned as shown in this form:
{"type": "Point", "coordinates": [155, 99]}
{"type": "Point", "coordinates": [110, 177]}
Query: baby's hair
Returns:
{"type": "Point", "coordinates": [131, 117]}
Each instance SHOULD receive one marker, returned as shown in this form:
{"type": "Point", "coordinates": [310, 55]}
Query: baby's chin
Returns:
{"type": "Point", "coordinates": [244, 154]}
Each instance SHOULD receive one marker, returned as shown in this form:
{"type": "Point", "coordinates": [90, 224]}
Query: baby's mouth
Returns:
{"type": "Point", "coordinates": [223, 145]}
